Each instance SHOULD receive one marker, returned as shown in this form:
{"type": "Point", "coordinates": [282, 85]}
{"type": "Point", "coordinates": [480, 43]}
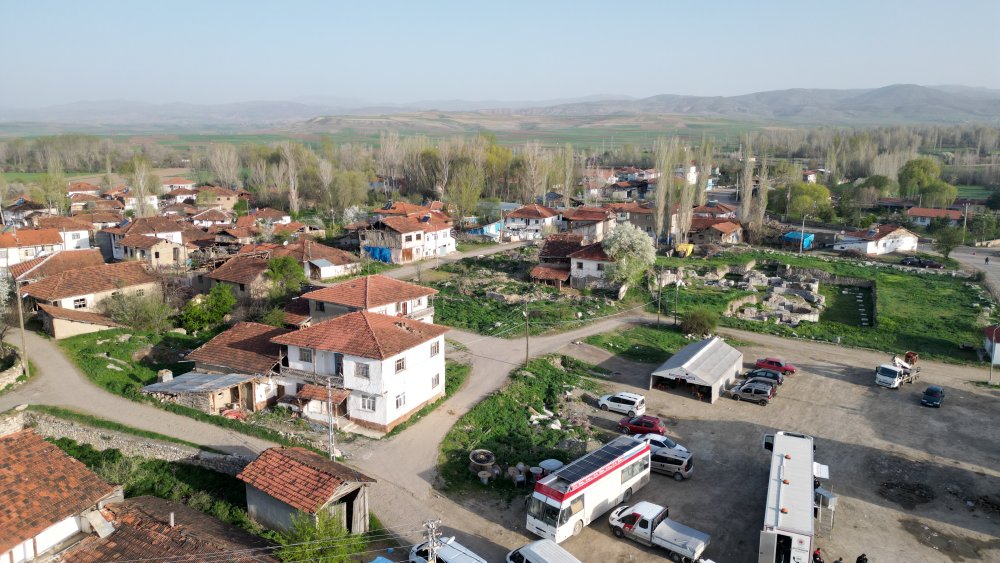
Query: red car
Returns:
{"type": "Point", "coordinates": [642, 425]}
{"type": "Point", "coordinates": [777, 364]}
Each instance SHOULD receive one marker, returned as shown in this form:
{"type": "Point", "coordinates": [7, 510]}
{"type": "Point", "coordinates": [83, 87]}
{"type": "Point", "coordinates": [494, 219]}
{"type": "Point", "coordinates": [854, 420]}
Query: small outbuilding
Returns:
{"type": "Point", "coordinates": [213, 393]}
{"type": "Point", "coordinates": [707, 367]}
{"type": "Point", "coordinates": [283, 482]}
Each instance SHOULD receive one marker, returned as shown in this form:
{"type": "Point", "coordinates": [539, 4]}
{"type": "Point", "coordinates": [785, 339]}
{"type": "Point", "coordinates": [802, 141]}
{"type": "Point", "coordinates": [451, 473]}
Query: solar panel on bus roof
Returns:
{"type": "Point", "coordinates": [596, 459]}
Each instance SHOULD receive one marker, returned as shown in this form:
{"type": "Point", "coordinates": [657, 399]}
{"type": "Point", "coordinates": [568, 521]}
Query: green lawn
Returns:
{"type": "Point", "coordinates": [980, 192]}
{"type": "Point", "coordinates": [467, 245]}
{"type": "Point", "coordinates": [641, 343]}
{"type": "Point", "coordinates": [501, 423]}
{"type": "Point", "coordinates": [844, 308]}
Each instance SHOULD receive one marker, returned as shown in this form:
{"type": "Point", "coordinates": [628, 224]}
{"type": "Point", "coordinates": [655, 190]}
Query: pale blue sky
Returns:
{"type": "Point", "coordinates": [212, 51]}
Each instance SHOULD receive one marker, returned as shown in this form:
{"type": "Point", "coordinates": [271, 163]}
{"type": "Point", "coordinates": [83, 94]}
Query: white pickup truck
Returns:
{"type": "Point", "coordinates": [648, 524]}
{"type": "Point", "coordinates": [898, 372]}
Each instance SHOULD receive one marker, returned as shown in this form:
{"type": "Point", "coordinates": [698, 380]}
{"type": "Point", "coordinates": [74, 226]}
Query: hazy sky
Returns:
{"type": "Point", "coordinates": [211, 51]}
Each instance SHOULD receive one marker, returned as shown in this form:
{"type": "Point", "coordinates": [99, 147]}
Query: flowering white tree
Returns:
{"type": "Point", "coordinates": [632, 250]}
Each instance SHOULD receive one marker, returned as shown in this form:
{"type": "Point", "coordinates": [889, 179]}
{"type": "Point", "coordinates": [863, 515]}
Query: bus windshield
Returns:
{"type": "Point", "coordinates": [543, 511]}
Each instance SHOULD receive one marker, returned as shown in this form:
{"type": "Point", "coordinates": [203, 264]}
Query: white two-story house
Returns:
{"type": "Point", "coordinates": [21, 245]}
{"type": "Point", "coordinates": [410, 238]}
{"type": "Point", "coordinates": [531, 222]}
{"type": "Point", "coordinates": [389, 367]}
{"type": "Point", "coordinates": [375, 294]}
{"type": "Point", "coordinates": [75, 232]}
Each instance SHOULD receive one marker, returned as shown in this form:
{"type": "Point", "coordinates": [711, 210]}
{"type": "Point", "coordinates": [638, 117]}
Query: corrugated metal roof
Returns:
{"type": "Point", "coordinates": [195, 382]}
{"type": "Point", "coordinates": [321, 263]}
{"type": "Point", "coordinates": [708, 361]}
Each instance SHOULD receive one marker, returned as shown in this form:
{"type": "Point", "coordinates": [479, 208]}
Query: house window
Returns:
{"type": "Point", "coordinates": [306, 355]}
{"type": "Point", "coordinates": [400, 400]}
{"type": "Point", "coordinates": [368, 403]}
{"type": "Point", "coordinates": [3, 253]}
{"type": "Point", "coordinates": [201, 279]}
{"type": "Point", "coordinates": [361, 370]}
{"type": "Point", "coordinates": [243, 287]}
{"type": "Point", "coordinates": [408, 238]}
{"type": "Point", "coordinates": [435, 381]}
{"type": "Point", "coordinates": [320, 306]}
{"type": "Point", "coordinates": [600, 267]}
{"type": "Point", "coordinates": [435, 349]}
{"type": "Point", "coordinates": [75, 236]}
{"type": "Point", "coordinates": [80, 303]}
{"type": "Point", "coordinates": [156, 255]}
{"type": "Point", "coordinates": [579, 265]}
{"type": "Point", "coordinates": [418, 236]}
{"type": "Point", "coordinates": [140, 292]}
{"type": "Point", "coordinates": [400, 365]}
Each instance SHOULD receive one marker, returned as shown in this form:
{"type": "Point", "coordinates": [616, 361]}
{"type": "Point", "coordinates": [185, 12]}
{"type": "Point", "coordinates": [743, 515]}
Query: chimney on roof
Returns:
{"type": "Point", "coordinates": [171, 519]}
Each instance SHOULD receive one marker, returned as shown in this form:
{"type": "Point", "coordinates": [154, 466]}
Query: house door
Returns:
{"type": "Point", "coordinates": [407, 255]}
{"type": "Point", "coordinates": [404, 307]}
{"type": "Point", "coordinates": [338, 364]}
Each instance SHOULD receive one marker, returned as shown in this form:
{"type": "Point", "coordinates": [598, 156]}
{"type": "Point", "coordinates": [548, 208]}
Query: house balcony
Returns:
{"type": "Point", "coordinates": [310, 377]}
{"type": "Point", "coordinates": [423, 315]}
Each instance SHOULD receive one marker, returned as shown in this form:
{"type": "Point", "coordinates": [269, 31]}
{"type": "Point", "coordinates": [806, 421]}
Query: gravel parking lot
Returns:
{"type": "Point", "coordinates": [915, 484]}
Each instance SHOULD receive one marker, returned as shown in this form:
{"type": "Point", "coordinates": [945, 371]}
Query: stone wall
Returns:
{"type": "Point", "coordinates": [833, 279]}
{"type": "Point", "coordinates": [9, 376]}
{"type": "Point", "coordinates": [102, 439]}
{"type": "Point", "coordinates": [737, 304]}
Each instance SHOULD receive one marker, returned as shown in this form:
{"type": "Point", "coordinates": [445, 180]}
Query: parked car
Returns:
{"type": "Point", "coordinates": [659, 442]}
{"type": "Point", "coordinates": [760, 393]}
{"type": "Point", "coordinates": [642, 425]}
{"type": "Point", "coordinates": [932, 265]}
{"type": "Point", "coordinates": [676, 463]}
{"type": "Point", "coordinates": [911, 261]}
{"type": "Point", "coordinates": [933, 396]}
{"type": "Point", "coordinates": [631, 404]}
{"type": "Point", "coordinates": [777, 364]}
{"type": "Point", "coordinates": [541, 551]}
{"type": "Point", "coordinates": [765, 381]}
{"type": "Point", "coordinates": [765, 374]}
{"type": "Point", "coordinates": [449, 551]}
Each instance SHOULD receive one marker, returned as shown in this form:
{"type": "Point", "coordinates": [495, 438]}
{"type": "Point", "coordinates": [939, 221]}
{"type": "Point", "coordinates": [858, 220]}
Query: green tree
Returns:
{"type": "Point", "coordinates": [464, 189]}
{"type": "Point", "coordinates": [802, 198]}
{"type": "Point", "coordinates": [209, 310]}
{"type": "Point", "coordinates": [938, 193]}
{"type": "Point", "coordinates": [947, 239]}
{"type": "Point", "coordinates": [138, 312]}
{"type": "Point", "coordinates": [916, 174]}
{"type": "Point", "coordinates": [699, 322]}
{"type": "Point", "coordinates": [274, 317]}
{"type": "Point", "coordinates": [993, 202]}
{"type": "Point", "coordinates": [286, 275]}
{"type": "Point", "coordinates": [883, 184]}
{"type": "Point", "coordinates": [241, 208]}
{"type": "Point", "coordinates": [324, 540]}
{"type": "Point", "coordinates": [632, 250]}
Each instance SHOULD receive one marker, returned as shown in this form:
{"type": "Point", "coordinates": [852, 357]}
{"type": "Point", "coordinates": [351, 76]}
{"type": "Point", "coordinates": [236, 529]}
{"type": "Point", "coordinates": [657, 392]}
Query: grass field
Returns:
{"type": "Point", "coordinates": [641, 343]}
{"type": "Point", "coordinates": [979, 192]}
{"type": "Point", "coordinates": [846, 308]}
{"type": "Point", "coordinates": [31, 177]}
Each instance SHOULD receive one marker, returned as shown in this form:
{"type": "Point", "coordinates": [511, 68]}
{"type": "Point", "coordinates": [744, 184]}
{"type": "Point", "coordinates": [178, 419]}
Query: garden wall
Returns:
{"type": "Point", "coordinates": [9, 376]}
{"type": "Point", "coordinates": [131, 445]}
{"type": "Point", "coordinates": [833, 279]}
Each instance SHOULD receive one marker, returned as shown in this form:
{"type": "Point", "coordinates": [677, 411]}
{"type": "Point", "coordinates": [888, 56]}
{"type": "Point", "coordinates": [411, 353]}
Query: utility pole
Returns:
{"type": "Point", "coordinates": [330, 438]}
{"type": "Point", "coordinates": [677, 293]}
{"type": "Point", "coordinates": [526, 333]}
{"type": "Point", "coordinates": [965, 221]}
{"type": "Point", "coordinates": [659, 293]}
{"type": "Point", "coordinates": [20, 321]}
{"type": "Point", "coordinates": [802, 233]}
{"type": "Point", "coordinates": [432, 540]}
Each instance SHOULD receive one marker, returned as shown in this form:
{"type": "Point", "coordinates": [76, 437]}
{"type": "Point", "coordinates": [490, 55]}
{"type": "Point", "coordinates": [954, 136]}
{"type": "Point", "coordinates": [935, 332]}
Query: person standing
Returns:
{"type": "Point", "coordinates": [861, 559]}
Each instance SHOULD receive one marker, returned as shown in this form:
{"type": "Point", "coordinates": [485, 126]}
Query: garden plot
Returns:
{"type": "Point", "coordinates": [848, 305]}
{"type": "Point", "coordinates": [490, 295]}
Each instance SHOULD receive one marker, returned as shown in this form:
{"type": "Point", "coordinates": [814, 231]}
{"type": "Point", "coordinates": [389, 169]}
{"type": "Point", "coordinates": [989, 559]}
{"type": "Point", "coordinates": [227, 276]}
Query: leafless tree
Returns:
{"type": "Point", "coordinates": [142, 183]}
{"type": "Point", "coordinates": [704, 170]}
{"type": "Point", "coordinates": [258, 174]}
{"type": "Point", "coordinates": [746, 181]}
{"type": "Point", "coordinates": [666, 150]}
{"type": "Point", "coordinates": [225, 164]}
{"type": "Point", "coordinates": [685, 198]}
{"type": "Point", "coordinates": [289, 157]}
{"type": "Point", "coordinates": [535, 169]}
{"type": "Point", "coordinates": [389, 157]}
{"type": "Point", "coordinates": [758, 202]}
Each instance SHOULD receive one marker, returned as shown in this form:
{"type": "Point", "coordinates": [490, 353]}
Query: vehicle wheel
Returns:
{"type": "Point", "coordinates": [631, 413]}
{"type": "Point", "coordinates": [623, 430]}
{"type": "Point", "coordinates": [578, 527]}
{"type": "Point", "coordinates": [736, 397]}
{"type": "Point", "coordinates": [762, 402]}
{"type": "Point", "coordinates": [674, 557]}
{"type": "Point", "coordinates": [678, 477]}
{"type": "Point", "coordinates": [617, 532]}
{"type": "Point", "coordinates": [627, 495]}
{"type": "Point", "coordinates": [604, 407]}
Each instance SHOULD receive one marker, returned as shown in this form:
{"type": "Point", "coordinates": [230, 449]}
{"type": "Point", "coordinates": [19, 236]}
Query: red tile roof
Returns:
{"type": "Point", "coordinates": [403, 208]}
{"type": "Point", "coordinates": [212, 215]}
{"type": "Point", "coordinates": [82, 187]}
{"type": "Point", "coordinates": [142, 241]}
{"type": "Point", "coordinates": [311, 250]}
{"type": "Point", "coordinates": [550, 272]}
{"type": "Point", "coordinates": [593, 252]}
{"type": "Point", "coordinates": [297, 311]}
{"type": "Point", "coordinates": [715, 209]}
{"type": "Point", "coordinates": [369, 291]}
{"type": "Point", "coordinates": [176, 181]}
{"type": "Point", "coordinates": [299, 477]}
{"type": "Point", "coordinates": [560, 246]}
{"type": "Point", "coordinates": [310, 392]}
{"type": "Point", "coordinates": [533, 211]}
{"type": "Point", "coordinates": [430, 222]}
{"type": "Point", "coordinates": [61, 223]}
{"type": "Point", "coordinates": [629, 207]}
{"type": "Point", "coordinates": [217, 191]}
{"type": "Point", "coordinates": [240, 269]}
{"type": "Point", "coordinates": [84, 281]}
{"type": "Point", "coordinates": [288, 228]}
{"type": "Point", "coordinates": [950, 214]}
{"type": "Point", "coordinates": [148, 226]}
{"type": "Point", "coordinates": [77, 316]}
{"type": "Point", "coordinates": [40, 486]}
{"type": "Point", "coordinates": [244, 348]}
{"type": "Point", "coordinates": [182, 192]}
{"type": "Point", "coordinates": [364, 334]}
{"type": "Point", "coordinates": [245, 221]}
{"type": "Point", "coordinates": [55, 263]}
{"type": "Point", "coordinates": [143, 533]}
{"type": "Point", "coordinates": [702, 223]}
{"type": "Point", "coordinates": [99, 217]}
{"type": "Point", "coordinates": [21, 238]}
{"type": "Point", "coordinates": [587, 214]}
{"type": "Point", "coordinates": [726, 227]}
{"type": "Point", "coordinates": [269, 213]}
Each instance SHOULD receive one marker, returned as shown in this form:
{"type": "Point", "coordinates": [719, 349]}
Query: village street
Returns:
{"type": "Point", "coordinates": [405, 465]}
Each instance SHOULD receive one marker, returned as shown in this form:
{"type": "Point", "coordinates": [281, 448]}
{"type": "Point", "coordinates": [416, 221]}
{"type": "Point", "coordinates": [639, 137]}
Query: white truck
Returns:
{"type": "Point", "coordinates": [648, 524]}
{"type": "Point", "coordinates": [898, 372]}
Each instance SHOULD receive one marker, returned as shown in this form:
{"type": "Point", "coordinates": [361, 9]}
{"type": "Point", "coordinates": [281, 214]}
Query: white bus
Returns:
{"type": "Point", "coordinates": [572, 497]}
{"type": "Point", "coordinates": [789, 522]}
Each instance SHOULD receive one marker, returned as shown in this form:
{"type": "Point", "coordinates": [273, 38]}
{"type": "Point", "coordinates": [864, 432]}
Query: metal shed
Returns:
{"type": "Point", "coordinates": [708, 366]}
{"type": "Point", "coordinates": [211, 393]}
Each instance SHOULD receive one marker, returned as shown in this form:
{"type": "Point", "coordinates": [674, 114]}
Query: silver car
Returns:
{"type": "Point", "coordinates": [624, 402]}
{"type": "Point", "coordinates": [758, 392]}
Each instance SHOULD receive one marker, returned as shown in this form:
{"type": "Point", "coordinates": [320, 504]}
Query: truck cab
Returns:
{"type": "Point", "coordinates": [888, 375]}
{"type": "Point", "coordinates": [649, 524]}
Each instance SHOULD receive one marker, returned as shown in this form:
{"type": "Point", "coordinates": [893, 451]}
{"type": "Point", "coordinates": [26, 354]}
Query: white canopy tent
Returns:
{"type": "Point", "coordinates": [710, 364]}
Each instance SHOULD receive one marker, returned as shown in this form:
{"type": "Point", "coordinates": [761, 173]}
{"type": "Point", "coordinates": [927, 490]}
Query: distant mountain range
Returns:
{"type": "Point", "coordinates": [899, 103]}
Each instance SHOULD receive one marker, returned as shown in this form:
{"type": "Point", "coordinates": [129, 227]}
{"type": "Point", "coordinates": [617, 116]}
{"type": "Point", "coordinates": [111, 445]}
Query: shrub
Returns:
{"type": "Point", "coordinates": [145, 313]}
{"type": "Point", "coordinates": [210, 310]}
{"type": "Point", "coordinates": [324, 539]}
{"type": "Point", "coordinates": [699, 321]}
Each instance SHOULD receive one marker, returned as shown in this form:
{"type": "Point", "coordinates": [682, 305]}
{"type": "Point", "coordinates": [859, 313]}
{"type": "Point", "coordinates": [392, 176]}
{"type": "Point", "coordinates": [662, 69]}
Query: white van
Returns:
{"type": "Point", "coordinates": [541, 551]}
{"type": "Point", "coordinates": [449, 551]}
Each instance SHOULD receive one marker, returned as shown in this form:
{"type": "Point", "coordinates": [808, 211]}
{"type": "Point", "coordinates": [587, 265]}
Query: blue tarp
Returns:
{"type": "Point", "coordinates": [380, 253]}
{"type": "Point", "coordinates": [796, 236]}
